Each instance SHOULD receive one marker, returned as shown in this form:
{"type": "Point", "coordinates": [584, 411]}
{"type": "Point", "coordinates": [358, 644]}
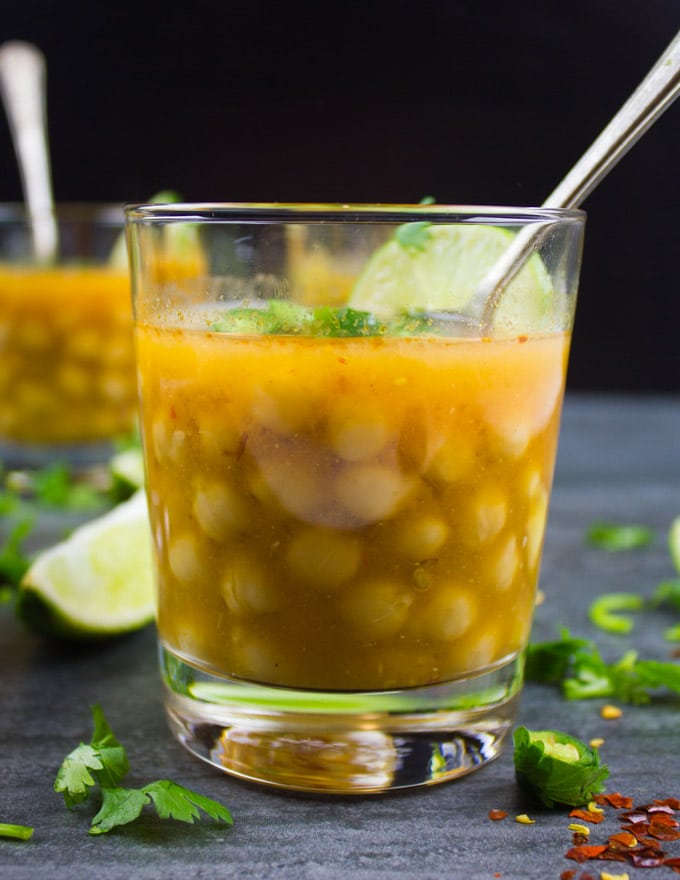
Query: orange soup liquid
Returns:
{"type": "Point", "coordinates": [348, 514]}
{"type": "Point", "coordinates": [66, 355]}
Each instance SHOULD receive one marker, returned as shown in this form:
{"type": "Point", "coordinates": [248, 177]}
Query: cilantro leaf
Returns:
{"type": "Point", "coordinates": [54, 486]}
{"type": "Point", "coordinates": [345, 322]}
{"type": "Point", "coordinates": [655, 674]}
{"type": "Point", "coordinates": [549, 662]}
{"type": "Point", "coordinates": [13, 561]}
{"type": "Point", "coordinates": [557, 767]}
{"type": "Point", "coordinates": [290, 319]}
{"type": "Point", "coordinates": [74, 777]}
{"type": "Point", "coordinates": [119, 807]}
{"type": "Point", "coordinates": [593, 677]}
{"type": "Point", "coordinates": [615, 537]}
{"type": "Point", "coordinates": [173, 801]}
{"type": "Point", "coordinates": [111, 753]}
{"type": "Point", "coordinates": [413, 235]}
{"type": "Point", "coordinates": [103, 761]}
{"type": "Point", "coordinates": [577, 666]}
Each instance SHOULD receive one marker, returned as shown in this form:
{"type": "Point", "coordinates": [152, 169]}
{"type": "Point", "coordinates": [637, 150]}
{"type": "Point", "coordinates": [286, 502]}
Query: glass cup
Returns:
{"type": "Point", "coordinates": [67, 376]}
{"type": "Point", "coordinates": [348, 478]}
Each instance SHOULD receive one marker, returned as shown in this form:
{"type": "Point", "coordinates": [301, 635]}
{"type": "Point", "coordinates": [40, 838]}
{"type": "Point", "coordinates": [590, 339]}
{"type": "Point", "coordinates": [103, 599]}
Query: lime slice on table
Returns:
{"type": "Point", "coordinates": [441, 272]}
{"type": "Point", "coordinates": [98, 582]}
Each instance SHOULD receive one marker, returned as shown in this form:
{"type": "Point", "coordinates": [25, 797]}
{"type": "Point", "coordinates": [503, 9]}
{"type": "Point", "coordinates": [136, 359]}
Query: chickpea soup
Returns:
{"type": "Point", "coordinates": [347, 513]}
{"type": "Point", "coordinates": [66, 354]}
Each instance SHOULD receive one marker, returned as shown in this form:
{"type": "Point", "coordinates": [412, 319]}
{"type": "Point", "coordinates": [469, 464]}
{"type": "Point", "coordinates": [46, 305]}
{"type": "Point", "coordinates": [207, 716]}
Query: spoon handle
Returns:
{"type": "Point", "coordinates": [22, 85]}
{"type": "Point", "coordinates": [655, 94]}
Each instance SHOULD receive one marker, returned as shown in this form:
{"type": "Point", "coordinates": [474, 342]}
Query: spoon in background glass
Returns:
{"type": "Point", "coordinates": [655, 94]}
{"type": "Point", "coordinates": [22, 85]}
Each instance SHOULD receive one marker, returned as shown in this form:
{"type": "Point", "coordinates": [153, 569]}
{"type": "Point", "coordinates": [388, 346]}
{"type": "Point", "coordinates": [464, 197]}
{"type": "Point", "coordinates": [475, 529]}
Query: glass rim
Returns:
{"type": "Point", "coordinates": [345, 213]}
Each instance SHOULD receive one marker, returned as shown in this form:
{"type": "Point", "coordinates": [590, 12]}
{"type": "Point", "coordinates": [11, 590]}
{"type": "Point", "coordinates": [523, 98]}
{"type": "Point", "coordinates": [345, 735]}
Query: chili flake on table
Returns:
{"type": "Point", "coordinates": [642, 830]}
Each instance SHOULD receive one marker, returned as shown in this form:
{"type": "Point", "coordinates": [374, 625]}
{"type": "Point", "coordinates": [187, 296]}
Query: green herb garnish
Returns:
{"type": "Point", "coordinates": [14, 562]}
{"type": "Point", "coordinates": [615, 537]}
{"type": "Point", "coordinates": [415, 235]}
{"type": "Point", "coordinates": [55, 486]}
{"type": "Point", "coordinates": [582, 673]}
{"type": "Point", "coordinates": [103, 763]}
{"type": "Point", "coordinates": [17, 832]}
{"type": "Point", "coordinates": [557, 768]}
{"type": "Point", "coordinates": [279, 317]}
{"type": "Point", "coordinates": [285, 318]}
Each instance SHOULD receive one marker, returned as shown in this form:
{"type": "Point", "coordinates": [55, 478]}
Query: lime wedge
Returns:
{"type": "Point", "coordinates": [442, 271]}
{"type": "Point", "coordinates": [674, 542]}
{"type": "Point", "coordinates": [98, 582]}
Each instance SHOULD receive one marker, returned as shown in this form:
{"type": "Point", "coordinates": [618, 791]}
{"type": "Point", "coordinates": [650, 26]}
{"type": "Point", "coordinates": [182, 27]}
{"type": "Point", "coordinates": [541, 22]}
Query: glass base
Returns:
{"type": "Point", "coordinates": [341, 742]}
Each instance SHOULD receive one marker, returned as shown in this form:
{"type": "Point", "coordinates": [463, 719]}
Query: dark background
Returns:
{"type": "Point", "coordinates": [472, 101]}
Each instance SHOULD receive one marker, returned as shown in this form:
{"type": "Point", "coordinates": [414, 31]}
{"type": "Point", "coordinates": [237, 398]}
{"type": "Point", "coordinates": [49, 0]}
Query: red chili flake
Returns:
{"type": "Point", "coordinates": [639, 829]}
{"type": "Point", "coordinates": [671, 802]}
{"type": "Point", "coordinates": [664, 819]}
{"type": "Point", "coordinates": [587, 816]}
{"type": "Point", "coordinates": [662, 832]}
{"type": "Point", "coordinates": [568, 875]}
{"type": "Point", "coordinates": [649, 842]}
{"type": "Point", "coordinates": [522, 338]}
{"type": "Point", "coordinates": [646, 861]}
{"type": "Point", "coordinates": [616, 800]}
{"type": "Point", "coordinates": [623, 838]}
{"type": "Point", "coordinates": [583, 853]}
{"type": "Point", "coordinates": [656, 808]}
{"type": "Point", "coordinates": [497, 815]}
{"type": "Point", "coordinates": [634, 817]}
{"type": "Point", "coordinates": [612, 855]}
{"type": "Point", "coordinates": [578, 838]}
{"type": "Point", "coordinates": [672, 862]}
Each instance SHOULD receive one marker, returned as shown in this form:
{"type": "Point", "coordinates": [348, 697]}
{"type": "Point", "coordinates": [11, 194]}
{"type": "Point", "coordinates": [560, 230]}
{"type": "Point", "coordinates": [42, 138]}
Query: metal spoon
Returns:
{"type": "Point", "coordinates": [22, 85]}
{"type": "Point", "coordinates": [655, 94]}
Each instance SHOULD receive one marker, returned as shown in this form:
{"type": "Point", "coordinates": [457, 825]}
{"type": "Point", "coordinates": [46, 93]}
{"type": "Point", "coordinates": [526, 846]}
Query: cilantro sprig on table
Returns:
{"type": "Point", "coordinates": [103, 763]}
{"type": "Point", "coordinates": [578, 668]}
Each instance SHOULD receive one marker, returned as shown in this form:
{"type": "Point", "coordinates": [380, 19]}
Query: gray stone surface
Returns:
{"type": "Point", "coordinates": [619, 460]}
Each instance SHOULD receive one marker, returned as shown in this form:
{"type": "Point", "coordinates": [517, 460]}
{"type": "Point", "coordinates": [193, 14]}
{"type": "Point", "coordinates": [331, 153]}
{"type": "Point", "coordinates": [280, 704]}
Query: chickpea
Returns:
{"type": "Point", "coordinates": [219, 511]}
{"type": "Point", "coordinates": [375, 610]}
{"type": "Point", "coordinates": [372, 492]}
{"type": "Point", "coordinates": [324, 559]}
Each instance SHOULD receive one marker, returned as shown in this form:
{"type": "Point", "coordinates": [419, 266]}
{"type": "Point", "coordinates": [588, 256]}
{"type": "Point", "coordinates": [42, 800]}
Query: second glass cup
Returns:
{"type": "Point", "coordinates": [67, 377]}
{"type": "Point", "coordinates": [348, 478]}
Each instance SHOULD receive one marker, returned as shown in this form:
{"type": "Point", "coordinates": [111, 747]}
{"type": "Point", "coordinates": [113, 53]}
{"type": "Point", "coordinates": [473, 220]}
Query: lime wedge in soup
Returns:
{"type": "Point", "coordinates": [96, 583]}
{"type": "Point", "coordinates": [438, 269]}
